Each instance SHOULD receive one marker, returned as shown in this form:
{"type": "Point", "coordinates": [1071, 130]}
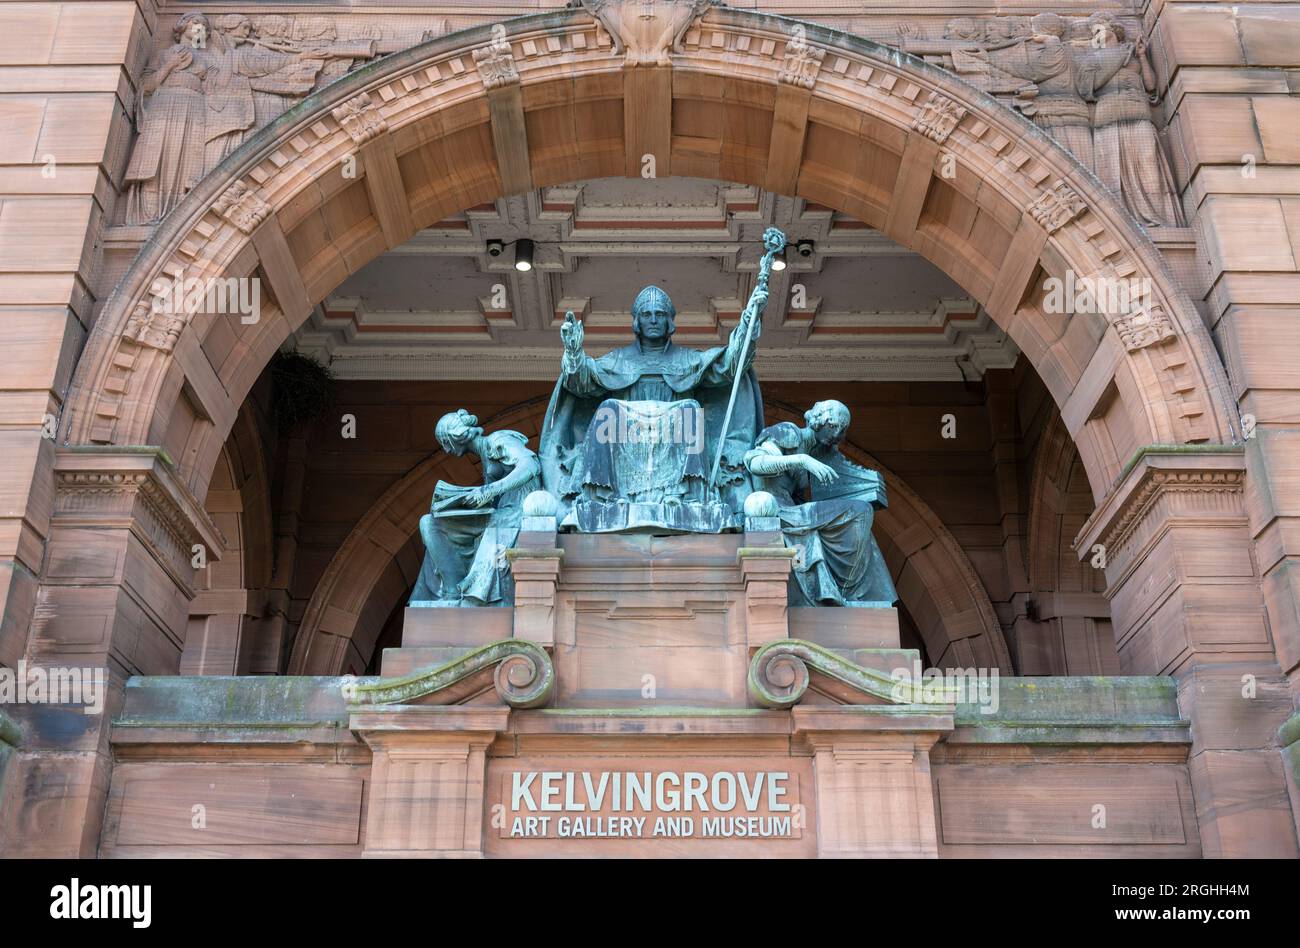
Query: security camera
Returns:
{"type": "Point", "coordinates": [495, 248]}
{"type": "Point", "coordinates": [804, 248]}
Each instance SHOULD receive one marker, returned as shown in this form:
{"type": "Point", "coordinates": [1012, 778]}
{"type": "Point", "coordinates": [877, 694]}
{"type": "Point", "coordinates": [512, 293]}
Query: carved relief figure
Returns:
{"type": "Point", "coordinates": [168, 159]}
{"type": "Point", "coordinates": [826, 505]}
{"type": "Point", "coordinates": [468, 529]}
{"type": "Point", "coordinates": [204, 95]}
{"type": "Point", "coordinates": [1064, 84]}
{"type": "Point", "coordinates": [1129, 159]}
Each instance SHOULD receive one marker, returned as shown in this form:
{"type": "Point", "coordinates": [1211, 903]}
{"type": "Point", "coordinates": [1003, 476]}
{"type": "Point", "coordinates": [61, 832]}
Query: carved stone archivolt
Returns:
{"type": "Point", "coordinates": [753, 45]}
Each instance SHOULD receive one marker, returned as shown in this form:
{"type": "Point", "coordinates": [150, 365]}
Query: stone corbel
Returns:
{"type": "Point", "coordinates": [241, 205]}
{"type": "Point", "coordinates": [361, 118]}
{"type": "Point", "coordinates": [802, 63]}
{"type": "Point", "coordinates": [496, 65]}
{"type": "Point", "coordinates": [938, 118]}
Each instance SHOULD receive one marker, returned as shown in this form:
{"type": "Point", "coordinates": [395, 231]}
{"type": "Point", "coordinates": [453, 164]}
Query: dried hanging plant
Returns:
{"type": "Point", "coordinates": [303, 389]}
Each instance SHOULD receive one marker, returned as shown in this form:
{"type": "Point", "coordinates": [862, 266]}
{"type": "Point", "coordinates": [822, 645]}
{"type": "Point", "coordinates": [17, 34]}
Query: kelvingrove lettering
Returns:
{"type": "Point", "coordinates": [665, 791]}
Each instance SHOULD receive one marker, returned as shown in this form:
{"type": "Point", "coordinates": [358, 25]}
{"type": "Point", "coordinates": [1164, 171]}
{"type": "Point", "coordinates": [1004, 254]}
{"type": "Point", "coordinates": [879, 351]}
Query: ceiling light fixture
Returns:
{"type": "Point", "coordinates": [523, 254]}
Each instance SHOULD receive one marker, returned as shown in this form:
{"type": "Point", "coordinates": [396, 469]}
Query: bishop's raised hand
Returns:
{"type": "Point", "coordinates": [571, 333]}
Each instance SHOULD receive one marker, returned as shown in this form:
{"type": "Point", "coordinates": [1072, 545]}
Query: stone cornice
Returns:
{"type": "Point", "coordinates": [98, 484]}
{"type": "Point", "coordinates": [1155, 471]}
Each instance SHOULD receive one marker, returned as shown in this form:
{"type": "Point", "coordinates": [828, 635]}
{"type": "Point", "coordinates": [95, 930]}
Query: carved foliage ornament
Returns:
{"type": "Point", "coordinates": [1056, 207]}
{"type": "Point", "coordinates": [154, 326]}
{"type": "Point", "coordinates": [1149, 325]}
{"type": "Point", "coordinates": [496, 65]}
{"type": "Point", "coordinates": [939, 117]}
{"type": "Point", "coordinates": [360, 118]}
{"type": "Point", "coordinates": [802, 62]}
{"type": "Point", "coordinates": [242, 206]}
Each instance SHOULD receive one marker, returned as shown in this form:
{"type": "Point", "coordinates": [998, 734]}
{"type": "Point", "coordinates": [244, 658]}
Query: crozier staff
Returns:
{"type": "Point", "coordinates": [773, 243]}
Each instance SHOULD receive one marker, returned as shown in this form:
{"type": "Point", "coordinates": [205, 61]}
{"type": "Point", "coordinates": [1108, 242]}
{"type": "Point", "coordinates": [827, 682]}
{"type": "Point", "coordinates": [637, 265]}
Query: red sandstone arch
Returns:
{"type": "Point", "coordinates": [839, 121]}
{"type": "Point", "coordinates": [378, 562]}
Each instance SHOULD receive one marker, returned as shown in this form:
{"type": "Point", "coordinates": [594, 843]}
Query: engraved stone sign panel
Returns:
{"type": "Point", "coordinates": [621, 805]}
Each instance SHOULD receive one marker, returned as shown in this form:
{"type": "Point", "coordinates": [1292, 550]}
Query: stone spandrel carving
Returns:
{"type": "Point", "coordinates": [645, 32]}
{"type": "Point", "coordinates": [1079, 81]}
{"type": "Point", "coordinates": [468, 529]}
{"type": "Point", "coordinates": [826, 505]}
{"type": "Point", "coordinates": [205, 94]}
{"type": "Point", "coordinates": [1129, 158]}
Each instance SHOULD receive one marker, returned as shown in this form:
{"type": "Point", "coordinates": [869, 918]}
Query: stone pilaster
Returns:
{"type": "Point", "coordinates": [115, 591]}
{"type": "Point", "coordinates": [1186, 601]}
{"type": "Point", "coordinates": [427, 785]}
{"type": "Point", "coordinates": [872, 771]}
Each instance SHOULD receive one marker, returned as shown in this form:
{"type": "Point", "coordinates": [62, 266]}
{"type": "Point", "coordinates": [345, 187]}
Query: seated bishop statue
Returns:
{"type": "Point", "coordinates": [630, 437]}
